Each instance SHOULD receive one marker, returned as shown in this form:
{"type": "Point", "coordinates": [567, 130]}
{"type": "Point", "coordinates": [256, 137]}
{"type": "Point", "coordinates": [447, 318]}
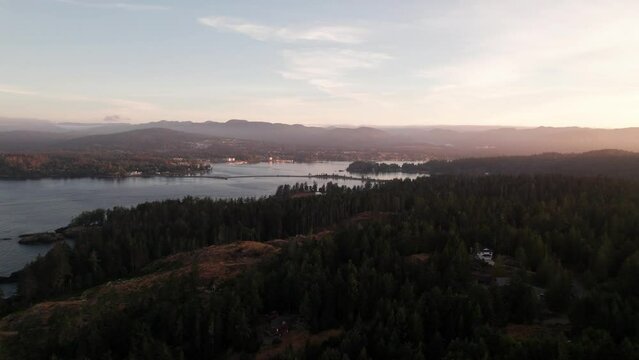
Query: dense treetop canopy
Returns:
{"type": "Point", "coordinates": [404, 283]}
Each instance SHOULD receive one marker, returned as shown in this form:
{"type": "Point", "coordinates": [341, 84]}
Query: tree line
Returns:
{"type": "Point", "coordinates": [74, 165]}
{"type": "Point", "coordinates": [605, 163]}
{"type": "Point", "coordinates": [575, 238]}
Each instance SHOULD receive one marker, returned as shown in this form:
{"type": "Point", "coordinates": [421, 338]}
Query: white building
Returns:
{"type": "Point", "coordinates": [486, 255]}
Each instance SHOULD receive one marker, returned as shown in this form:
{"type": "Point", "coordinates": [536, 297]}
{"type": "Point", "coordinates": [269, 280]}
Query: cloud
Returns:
{"type": "Point", "coordinates": [115, 103]}
{"type": "Point", "coordinates": [6, 89]}
{"type": "Point", "coordinates": [328, 69]}
{"type": "Point", "coordinates": [115, 118]}
{"type": "Point", "coordinates": [547, 60]}
{"type": "Point", "coordinates": [123, 103]}
{"type": "Point", "coordinates": [522, 46]}
{"type": "Point", "coordinates": [329, 34]}
{"type": "Point", "coordinates": [115, 5]}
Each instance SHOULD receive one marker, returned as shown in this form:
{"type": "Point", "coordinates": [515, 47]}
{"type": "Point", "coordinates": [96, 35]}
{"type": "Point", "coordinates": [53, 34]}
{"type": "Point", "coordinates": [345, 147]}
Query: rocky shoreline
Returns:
{"type": "Point", "coordinates": [13, 278]}
{"type": "Point", "coordinates": [50, 237]}
{"type": "Point", "coordinates": [40, 238]}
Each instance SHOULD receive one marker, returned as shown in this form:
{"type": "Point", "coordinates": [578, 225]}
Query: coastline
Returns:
{"type": "Point", "coordinates": [321, 173]}
{"type": "Point", "coordinates": [146, 176]}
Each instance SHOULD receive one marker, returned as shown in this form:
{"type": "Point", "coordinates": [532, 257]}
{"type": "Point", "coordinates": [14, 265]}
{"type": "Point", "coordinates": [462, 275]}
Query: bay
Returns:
{"type": "Point", "coordinates": [28, 206]}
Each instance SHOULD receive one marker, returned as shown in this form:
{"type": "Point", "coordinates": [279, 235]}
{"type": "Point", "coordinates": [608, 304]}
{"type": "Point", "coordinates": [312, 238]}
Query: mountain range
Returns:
{"type": "Point", "coordinates": [26, 135]}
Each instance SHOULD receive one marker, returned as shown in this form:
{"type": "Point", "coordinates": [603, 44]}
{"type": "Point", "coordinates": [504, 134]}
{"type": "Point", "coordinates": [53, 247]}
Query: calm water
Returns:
{"type": "Point", "coordinates": [28, 206]}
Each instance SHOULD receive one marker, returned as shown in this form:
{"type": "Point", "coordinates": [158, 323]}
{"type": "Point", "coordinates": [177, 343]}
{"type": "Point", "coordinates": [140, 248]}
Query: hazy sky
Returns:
{"type": "Point", "coordinates": [392, 62]}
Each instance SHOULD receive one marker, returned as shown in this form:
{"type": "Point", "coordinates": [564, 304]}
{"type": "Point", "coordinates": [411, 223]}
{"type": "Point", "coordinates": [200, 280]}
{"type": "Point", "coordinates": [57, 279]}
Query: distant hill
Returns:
{"type": "Point", "coordinates": [27, 141]}
{"type": "Point", "coordinates": [134, 141]}
{"type": "Point", "coordinates": [282, 134]}
{"type": "Point", "coordinates": [607, 163]}
{"type": "Point", "coordinates": [513, 141]}
{"type": "Point", "coordinates": [22, 124]}
{"type": "Point", "coordinates": [298, 135]}
{"type": "Point", "coordinates": [448, 142]}
{"type": "Point", "coordinates": [153, 139]}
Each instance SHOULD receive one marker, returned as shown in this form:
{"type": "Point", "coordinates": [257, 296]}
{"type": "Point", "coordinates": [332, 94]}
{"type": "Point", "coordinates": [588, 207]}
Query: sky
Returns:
{"type": "Point", "coordinates": [329, 62]}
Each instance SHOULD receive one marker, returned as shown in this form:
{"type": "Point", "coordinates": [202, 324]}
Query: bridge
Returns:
{"type": "Point", "coordinates": [309, 176]}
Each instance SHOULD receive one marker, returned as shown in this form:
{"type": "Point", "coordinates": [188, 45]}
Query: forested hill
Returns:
{"type": "Point", "coordinates": [607, 163]}
{"type": "Point", "coordinates": [380, 272]}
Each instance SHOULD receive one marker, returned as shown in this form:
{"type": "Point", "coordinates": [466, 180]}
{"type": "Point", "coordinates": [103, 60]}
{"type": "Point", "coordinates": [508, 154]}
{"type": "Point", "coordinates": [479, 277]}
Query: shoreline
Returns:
{"type": "Point", "coordinates": [119, 177]}
{"type": "Point", "coordinates": [69, 232]}
{"type": "Point", "coordinates": [207, 176]}
{"type": "Point", "coordinates": [188, 175]}
{"type": "Point", "coordinates": [337, 175]}
{"type": "Point", "coordinates": [219, 177]}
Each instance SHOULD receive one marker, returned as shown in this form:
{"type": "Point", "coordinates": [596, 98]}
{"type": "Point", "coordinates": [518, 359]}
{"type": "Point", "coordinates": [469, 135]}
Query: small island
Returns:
{"type": "Point", "coordinates": [40, 238]}
{"type": "Point", "coordinates": [78, 226]}
{"type": "Point", "coordinates": [372, 167]}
